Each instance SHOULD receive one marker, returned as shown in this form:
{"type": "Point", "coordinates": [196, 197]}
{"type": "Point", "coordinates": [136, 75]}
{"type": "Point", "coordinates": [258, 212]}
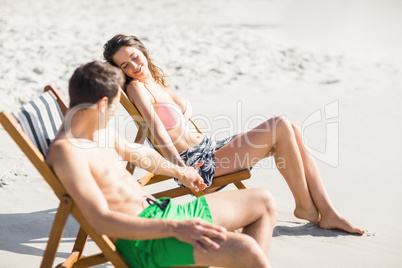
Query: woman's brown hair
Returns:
{"type": "Point", "coordinates": [118, 41]}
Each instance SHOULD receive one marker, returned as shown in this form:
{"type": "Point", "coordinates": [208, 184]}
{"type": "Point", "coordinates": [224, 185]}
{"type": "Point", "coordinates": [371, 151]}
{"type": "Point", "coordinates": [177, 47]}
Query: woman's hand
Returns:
{"type": "Point", "coordinates": [191, 178]}
{"type": "Point", "coordinates": [200, 234]}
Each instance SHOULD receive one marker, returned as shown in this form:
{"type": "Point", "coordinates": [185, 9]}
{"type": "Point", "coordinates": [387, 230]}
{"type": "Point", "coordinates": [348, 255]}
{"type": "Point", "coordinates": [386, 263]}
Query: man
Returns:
{"type": "Point", "coordinates": [146, 231]}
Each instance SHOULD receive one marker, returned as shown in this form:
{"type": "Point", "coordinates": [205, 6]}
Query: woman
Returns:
{"type": "Point", "coordinates": [168, 114]}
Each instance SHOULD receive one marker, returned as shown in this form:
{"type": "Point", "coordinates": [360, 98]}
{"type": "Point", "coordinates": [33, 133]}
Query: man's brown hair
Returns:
{"type": "Point", "coordinates": [93, 81]}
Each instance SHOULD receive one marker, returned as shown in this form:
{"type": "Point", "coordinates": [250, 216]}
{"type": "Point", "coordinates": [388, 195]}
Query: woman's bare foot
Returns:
{"type": "Point", "coordinates": [337, 222]}
{"type": "Point", "coordinates": [311, 215]}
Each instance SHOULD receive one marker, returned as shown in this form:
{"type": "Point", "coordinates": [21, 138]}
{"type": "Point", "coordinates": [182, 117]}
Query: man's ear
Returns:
{"type": "Point", "coordinates": [103, 104]}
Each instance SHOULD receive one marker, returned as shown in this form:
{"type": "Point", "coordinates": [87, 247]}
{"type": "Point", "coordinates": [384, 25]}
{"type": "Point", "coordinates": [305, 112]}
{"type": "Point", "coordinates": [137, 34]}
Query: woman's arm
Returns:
{"type": "Point", "coordinates": [136, 91]}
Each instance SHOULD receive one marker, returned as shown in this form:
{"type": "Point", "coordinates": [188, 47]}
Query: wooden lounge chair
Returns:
{"type": "Point", "coordinates": [33, 128]}
{"type": "Point", "coordinates": [144, 134]}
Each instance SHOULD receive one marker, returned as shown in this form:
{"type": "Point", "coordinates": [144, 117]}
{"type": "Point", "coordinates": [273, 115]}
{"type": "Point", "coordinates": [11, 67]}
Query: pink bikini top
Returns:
{"type": "Point", "coordinates": [171, 114]}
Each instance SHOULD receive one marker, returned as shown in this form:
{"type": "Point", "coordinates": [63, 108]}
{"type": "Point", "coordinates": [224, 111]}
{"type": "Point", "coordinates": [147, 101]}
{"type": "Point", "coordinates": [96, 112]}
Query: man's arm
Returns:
{"type": "Point", "coordinates": [150, 160]}
{"type": "Point", "coordinates": [72, 167]}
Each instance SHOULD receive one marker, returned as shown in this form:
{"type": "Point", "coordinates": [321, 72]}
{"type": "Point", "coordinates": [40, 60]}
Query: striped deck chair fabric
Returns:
{"type": "Point", "coordinates": [40, 119]}
{"type": "Point", "coordinates": [33, 128]}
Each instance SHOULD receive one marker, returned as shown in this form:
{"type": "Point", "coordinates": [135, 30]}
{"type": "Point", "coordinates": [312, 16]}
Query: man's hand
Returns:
{"type": "Point", "coordinates": [191, 179]}
{"type": "Point", "coordinates": [200, 234]}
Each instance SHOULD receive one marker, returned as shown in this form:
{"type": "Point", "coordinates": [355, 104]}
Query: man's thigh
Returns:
{"type": "Point", "coordinates": [230, 254]}
{"type": "Point", "coordinates": [238, 208]}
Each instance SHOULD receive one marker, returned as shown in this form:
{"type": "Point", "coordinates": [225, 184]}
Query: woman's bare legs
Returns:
{"type": "Point", "coordinates": [277, 137]}
{"type": "Point", "coordinates": [330, 219]}
{"type": "Point", "coordinates": [273, 137]}
{"type": "Point", "coordinates": [252, 209]}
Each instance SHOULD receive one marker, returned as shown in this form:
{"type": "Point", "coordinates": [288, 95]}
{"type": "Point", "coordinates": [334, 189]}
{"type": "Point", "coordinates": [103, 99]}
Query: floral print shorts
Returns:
{"type": "Point", "coordinates": [204, 152]}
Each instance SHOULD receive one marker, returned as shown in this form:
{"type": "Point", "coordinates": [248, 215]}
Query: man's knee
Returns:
{"type": "Point", "coordinates": [268, 202]}
{"type": "Point", "coordinates": [255, 256]}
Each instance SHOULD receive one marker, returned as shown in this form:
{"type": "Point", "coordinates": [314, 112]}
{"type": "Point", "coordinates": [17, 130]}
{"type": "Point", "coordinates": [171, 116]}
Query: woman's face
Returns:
{"type": "Point", "coordinates": [132, 61]}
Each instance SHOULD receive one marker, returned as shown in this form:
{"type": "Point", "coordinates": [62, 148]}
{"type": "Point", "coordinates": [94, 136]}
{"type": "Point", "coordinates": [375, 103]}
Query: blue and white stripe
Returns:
{"type": "Point", "coordinates": [40, 119]}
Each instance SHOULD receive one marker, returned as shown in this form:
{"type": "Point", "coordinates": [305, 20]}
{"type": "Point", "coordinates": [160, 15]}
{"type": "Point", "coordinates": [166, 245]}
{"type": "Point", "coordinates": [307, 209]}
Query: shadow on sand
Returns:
{"type": "Point", "coordinates": [293, 228]}
{"type": "Point", "coordinates": [27, 233]}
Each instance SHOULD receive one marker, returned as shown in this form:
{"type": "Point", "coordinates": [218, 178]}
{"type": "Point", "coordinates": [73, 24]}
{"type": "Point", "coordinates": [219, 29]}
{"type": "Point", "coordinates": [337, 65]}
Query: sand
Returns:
{"type": "Point", "coordinates": [233, 60]}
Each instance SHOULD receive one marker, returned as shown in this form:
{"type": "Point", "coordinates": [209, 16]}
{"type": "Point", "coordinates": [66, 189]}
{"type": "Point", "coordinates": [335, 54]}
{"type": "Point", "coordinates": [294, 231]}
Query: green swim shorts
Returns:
{"type": "Point", "coordinates": [164, 252]}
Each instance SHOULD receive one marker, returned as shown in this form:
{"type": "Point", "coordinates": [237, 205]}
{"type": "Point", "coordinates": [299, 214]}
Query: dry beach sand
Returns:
{"type": "Point", "coordinates": [233, 60]}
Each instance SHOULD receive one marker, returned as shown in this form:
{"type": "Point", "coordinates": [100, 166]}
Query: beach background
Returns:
{"type": "Point", "coordinates": [236, 61]}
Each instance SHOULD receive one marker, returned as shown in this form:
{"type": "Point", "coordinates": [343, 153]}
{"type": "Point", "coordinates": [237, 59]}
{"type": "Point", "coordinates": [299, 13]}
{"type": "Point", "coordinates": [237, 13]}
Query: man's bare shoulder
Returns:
{"type": "Point", "coordinates": [62, 149]}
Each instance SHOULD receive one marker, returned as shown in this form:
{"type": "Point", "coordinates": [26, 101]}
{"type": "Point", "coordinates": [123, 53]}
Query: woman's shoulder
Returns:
{"type": "Point", "coordinates": [137, 90]}
{"type": "Point", "coordinates": [135, 86]}
{"type": "Point", "coordinates": [134, 83]}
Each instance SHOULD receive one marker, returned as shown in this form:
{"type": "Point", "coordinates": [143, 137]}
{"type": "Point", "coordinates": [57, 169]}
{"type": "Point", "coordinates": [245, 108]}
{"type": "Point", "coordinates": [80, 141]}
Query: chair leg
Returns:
{"type": "Point", "coordinates": [56, 233]}
{"type": "Point", "coordinates": [80, 241]}
{"type": "Point", "coordinates": [240, 185]}
{"type": "Point", "coordinates": [78, 249]}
